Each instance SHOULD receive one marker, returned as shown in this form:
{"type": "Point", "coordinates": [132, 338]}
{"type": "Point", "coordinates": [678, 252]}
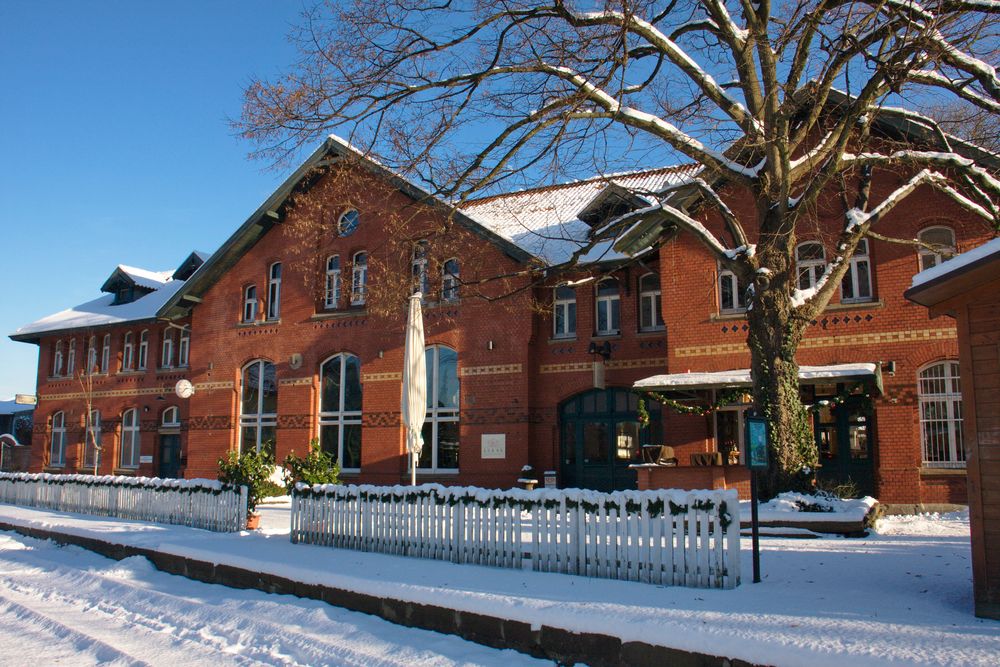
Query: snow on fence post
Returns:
{"type": "Point", "coordinates": [199, 503]}
{"type": "Point", "coordinates": [666, 536]}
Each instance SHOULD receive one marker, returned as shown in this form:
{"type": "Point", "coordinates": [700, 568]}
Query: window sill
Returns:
{"type": "Point", "coordinates": [942, 472]}
{"type": "Point", "coordinates": [127, 472]}
{"type": "Point", "coordinates": [611, 335]}
{"type": "Point", "coordinates": [353, 311]}
{"type": "Point", "coordinates": [728, 315]}
{"type": "Point", "coordinates": [558, 341]}
{"type": "Point", "coordinates": [854, 305]}
{"type": "Point", "coordinates": [442, 472]}
{"type": "Point", "coordinates": [131, 372]}
{"type": "Point", "coordinates": [652, 332]}
{"type": "Point", "coordinates": [55, 468]}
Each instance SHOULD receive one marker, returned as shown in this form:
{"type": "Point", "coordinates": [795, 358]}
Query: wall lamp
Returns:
{"type": "Point", "coordinates": [603, 349]}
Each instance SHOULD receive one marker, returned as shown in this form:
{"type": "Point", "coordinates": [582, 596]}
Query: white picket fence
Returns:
{"type": "Point", "coordinates": [669, 537]}
{"type": "Point", "coordinates": [198, 503]}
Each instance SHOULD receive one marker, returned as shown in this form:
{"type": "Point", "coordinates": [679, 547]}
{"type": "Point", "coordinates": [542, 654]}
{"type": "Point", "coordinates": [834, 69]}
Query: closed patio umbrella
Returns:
{"type": "Point", "coordinates": [414, 402]}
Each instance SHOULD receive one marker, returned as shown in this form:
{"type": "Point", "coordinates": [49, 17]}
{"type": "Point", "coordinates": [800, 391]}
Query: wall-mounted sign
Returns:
{"type": "Point", "coordinates": [494, 445]}
{"type": "Point", "coordinates": [145, 459]}
{"type": "Point", "coordinates": [25, 399]}
{"type": "Point", "coordinates": [756, 439]}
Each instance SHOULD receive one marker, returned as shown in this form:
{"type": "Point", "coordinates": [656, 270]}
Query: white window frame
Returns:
{"type": "Point", "coordinates": [274, 292]}
{"type": "Point", "coordinates": [650, 298]}
{"type": "Point", "coordinates": [929, 258]}
{"type": "Point", "coordinates": [171, 417]}
{"type": "Point", "coordinates": [359, 278]}
{"type": "Point", "coordinates": [57, 441]}
{"type": "Point", "coordinates": [167, 349]}
{"type": "Point", "coordinates": [184, 348]}
{"type": "Point", "coordinates": [131, 443]}
{"type": "Point", "coordinates": [92, 433]}
{"type": "Point", "coordinates": [259, 420]}
{"type": "Point", "coordinates": [106, 354]}
{"type": "Point", "coordinates": [564, 312]}
{"type": "Point", "coordinates": [331, 299]}
{"type": "Point", "coordinates": [340, 417]}
{"type": "Point", "coordinates": [941, 448]}
{"type": "Point", "coordinates": [450, 280]}
{"type": "Point", "coordinates": [860, 258]}
{"type": "Point", "coordinates": [143, 356]}
{"type": "Point", "coordinates": [57, 359]}
{"type": "Point", "coordinates": [249, 304]}
{"type": "Point", "coordinates": [344, 225]}
{"type": "Point", "coordinates": [418, 263]}
{"type": "Point", "coordinates": [739, 304]}
{"type": "Point", "coordinates": [608, 307]}
{"type": "Point", "coordinates": [92, 355]}
{"type": "Point", "coordinates": [810, 268]}
{"type": "Point", "coordinates": [128, 359]}
{"type": "Point", "coordinates": [71, 358]}
{"type": "Point", "coordinates": [437, 415]}
{"type": "Point", "coordinates": [740, 409]}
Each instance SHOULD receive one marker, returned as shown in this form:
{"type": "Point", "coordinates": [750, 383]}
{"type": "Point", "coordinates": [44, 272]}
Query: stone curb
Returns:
{"type": "Point", "coordinates": [562, 646]}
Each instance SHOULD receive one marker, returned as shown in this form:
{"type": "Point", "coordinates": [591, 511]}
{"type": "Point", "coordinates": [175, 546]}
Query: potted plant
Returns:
{"type": "Point", "coordinates": [317, 467]}
{"type": "Point", "coordinates": [253, 469]}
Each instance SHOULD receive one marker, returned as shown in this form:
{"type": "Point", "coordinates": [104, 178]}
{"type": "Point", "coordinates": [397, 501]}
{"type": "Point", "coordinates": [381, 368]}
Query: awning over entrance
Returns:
{"type": "Point", "coordinates": [741, 378]}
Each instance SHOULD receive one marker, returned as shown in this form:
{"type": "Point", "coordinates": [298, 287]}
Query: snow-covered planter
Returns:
{"type": "Point", "coordinates": [199, 503]}
{"type": "Point", "coordinates": [664, 536]}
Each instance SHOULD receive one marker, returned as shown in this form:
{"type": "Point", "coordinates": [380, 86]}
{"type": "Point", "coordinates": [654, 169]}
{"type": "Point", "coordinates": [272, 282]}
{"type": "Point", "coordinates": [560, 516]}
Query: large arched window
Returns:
{"type": "Point", "coordinates": [440, 432]}
{"type": "Point", "coordinates": [259, 407]}
{"type": "Point", "coordinates": [130, 447]}
{"type": "Point", "coordinates": [563, 312]}
{"type": "Point", "coordinates": [608, 307]}
{"type": "Point", "coordinates": [57, 443]}
{"type": "Point", "coordinates": [810, 261]}
{"type": "Point", "coordinates": [940, 397]}
{"type": "Point", "coordinates": [92, 440]}
{"type": "Point", "coordinates": [57, 359]}
{"type": "Point", "coordinates": [942, 246]}
{"type": "Point", "coordinates": [332, 297]}
{"type": "Point", "coordinates": [340, 410]}
{"type": "Point", "coordinates": [650, 307]}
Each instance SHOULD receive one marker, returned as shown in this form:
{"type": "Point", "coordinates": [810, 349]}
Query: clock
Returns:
{"type": "Point", "coordinates": [184, 389]}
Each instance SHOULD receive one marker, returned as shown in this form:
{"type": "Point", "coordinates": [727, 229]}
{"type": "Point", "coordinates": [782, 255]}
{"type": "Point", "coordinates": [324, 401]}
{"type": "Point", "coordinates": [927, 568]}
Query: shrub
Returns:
{"type": "Point", "coordinates": [316, 467]}
{"type": "Point", "coordinates": [250, 468]}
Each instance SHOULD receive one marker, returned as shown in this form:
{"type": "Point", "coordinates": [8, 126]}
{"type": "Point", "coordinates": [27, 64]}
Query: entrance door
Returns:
{"type": "Point", "coordinates": [601, 438]}
{"type": "Point", "coordinates": [844, 436]}
{"type": "Point", "coordinates": [170, 455]}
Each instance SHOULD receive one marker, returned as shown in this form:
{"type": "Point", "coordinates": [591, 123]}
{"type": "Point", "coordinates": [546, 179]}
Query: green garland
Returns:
{"type": "Point", "coordinates": [60, 480]}
{"type": "Point", "coordinates": [842, 397]}
{"type": "Point", "coordinates": [725, 397]}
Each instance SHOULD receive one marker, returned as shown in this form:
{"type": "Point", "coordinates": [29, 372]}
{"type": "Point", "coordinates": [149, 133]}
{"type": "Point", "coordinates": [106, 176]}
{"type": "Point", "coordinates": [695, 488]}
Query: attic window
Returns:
{"type": "Point", "coordinates": [124, 294]}
{"type": "Point", "coordinates": [611, 203]}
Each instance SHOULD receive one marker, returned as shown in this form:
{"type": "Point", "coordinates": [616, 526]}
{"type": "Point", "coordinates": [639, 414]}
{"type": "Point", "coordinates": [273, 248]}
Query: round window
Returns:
{"type": "Point", "coordinates": [348, 223]}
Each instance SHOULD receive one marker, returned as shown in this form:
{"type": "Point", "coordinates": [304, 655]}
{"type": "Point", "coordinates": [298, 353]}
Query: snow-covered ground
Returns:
{"type": "Point", "coordinates": [902, 596]}
{"type": "Point", "coordinates": [67, 605]}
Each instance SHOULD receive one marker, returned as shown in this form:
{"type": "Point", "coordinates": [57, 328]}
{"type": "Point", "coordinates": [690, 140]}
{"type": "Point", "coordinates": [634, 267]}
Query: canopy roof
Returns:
{"type": "Point", "coordinates": [741, 378]}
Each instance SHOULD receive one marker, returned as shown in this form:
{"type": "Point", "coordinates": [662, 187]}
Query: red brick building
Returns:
{"type": "Point", "coordinates": [293, 331]}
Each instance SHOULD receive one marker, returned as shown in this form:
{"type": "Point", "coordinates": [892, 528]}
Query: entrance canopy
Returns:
{"type": "Point", "coordinates": [741, 378]}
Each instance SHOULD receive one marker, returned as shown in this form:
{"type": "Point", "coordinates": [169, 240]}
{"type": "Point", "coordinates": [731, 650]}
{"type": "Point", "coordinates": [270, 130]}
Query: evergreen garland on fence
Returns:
{"type": "Point", "coordinates": [125, 482]}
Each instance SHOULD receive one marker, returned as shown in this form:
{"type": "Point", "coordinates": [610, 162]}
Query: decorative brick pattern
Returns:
{"type": "Point", "coordinates": [882, 338]}
{"type": "Point", "coordinates": [296, 382]}
{"type": "Point", "coordinates": [381, 377]}
{"type": "Point", "coordinates": [500, 369]}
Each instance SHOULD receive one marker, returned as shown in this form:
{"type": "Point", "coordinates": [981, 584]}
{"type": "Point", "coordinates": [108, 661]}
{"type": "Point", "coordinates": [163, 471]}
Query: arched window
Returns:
{"type": "Point", "coordinates": [91, 355]}
{"type": "Point", "coordinates": [130, 442]}
{"type": "Point", "coordinates": [563, 312]}
{"type": "Point", "coordinates": [348, 222]}
{"type": "Point", "coordinates": [274, 291]}
{"type": "Point", "coordinates": [106, 353]}
{"type": "Point", "coordinates": [332, 298]}
{"type": "Point", "coordinates": [57, 443]}
{"type": "Point", "coordinates": [167, 353]}
{"type": "Point", "coordinates": [259, 407]}
{"type": "Point", "coordinates": [359, 279]}
{"type": "Point", "coordinates": [940, 398]}
{"type": "Point", "coordinates": [440, 432]}
{"type": "Point", "coordinates": [249, 303]}
{"type": "Point", "coordinates": [57, 359]}
{"type": "Point", "coordinates": [650, 304]}
{"type": "Point", "coordinates": [857, 283]}
{"type": "Point", "coordinates": [942, 242]}
{"type": "Point", "coordinates": [171, 417]}
{"type": "Point", "coordinates": [608, 307]}
{"type": "Point", "coordinates": [449, 280]}
{"type": "Point", "coordinates": [419, 268]}
{"type": "Point", "coordinates": [732, 298]}
{"type": "Point", "coordinates": [340, 410]}
{"type": "Point", "coordinates": [127, 352]}
{"type": "Point", "coordinates": [143, 349]}
{"type": "Point", "coordinates": [810, 260]}
{"type": "Point", "coordinates": [184, 349]}
{"type": "Point", "coordinates": [71, 358]}
{"type": "Point", "coordinates": [92, 440]}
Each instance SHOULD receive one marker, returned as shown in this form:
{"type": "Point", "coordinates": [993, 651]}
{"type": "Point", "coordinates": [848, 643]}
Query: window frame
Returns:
{"type": "Point", "coordinates": [739, 296]}
{"type": "Point", "coordinates": [655, 297]}
{"type": "Point", "coordinates": [106, 354]}
{"type": "Point", "coordinates": [58, 428]}
{"type": "Point", "coordinates": [811, 267]}
{"type": "Point", "coordinates": [92, 367]}
{"type": "Point", "coordinates": [951, 448]}
{"type": "Point", "coordinates": [142, 358]}
{"type": "Point", "coordinates": [259, 420]}
{"type": "Point", "coordinates": [274, 292]}
{"type": "Point", "coordinates": [924, 254]}
{"type": "Point", "coordinates": [331, 294]}
{"type": "Point", "coordinates": [167, 349]}
{"type": "Point", "coordinates": [436, 414]}
{"type": "Point", "coordinates": [348, 229]}
{"type": "Point", "coordinates": [71, 358]}
{"type": "Point", "coordinates": [419, 269]}
{"type": "Point", "coordinates": [249, 314]}
{"type": "Point", "coordinates": [170, 410]}
{"type": "Point", "coordinates": [359, 278]}
{"type": "Point", "coordinates": [57, 359]}
{"type": "Point", "coordinates": [340, 417]}
{"type": "Point", "coordinates": [609, 306]}
{"type": "Point", "coordinates": [450, 280]}
{"type": "Point", "coordinates": [851, 276]}
{"type": "Point", "coordinates": [130, 441]}
{"type": "Point", "coordinates": [564, 308]}
{"type": "Point", "coordinates": [184, 348]}
{"type": "Point", "coordinates": [128, 352]}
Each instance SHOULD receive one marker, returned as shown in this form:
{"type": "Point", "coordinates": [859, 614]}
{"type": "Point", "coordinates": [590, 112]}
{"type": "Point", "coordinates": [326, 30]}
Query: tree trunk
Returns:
{"type": "Point", "coordinates": [774, 337]}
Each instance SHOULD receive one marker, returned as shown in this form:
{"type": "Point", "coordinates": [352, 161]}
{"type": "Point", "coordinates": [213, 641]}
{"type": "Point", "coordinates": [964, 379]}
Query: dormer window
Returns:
{"type": "Point", "coordinates": [612, 202]}
{"type": "Point", "coordinates": [124, 294]}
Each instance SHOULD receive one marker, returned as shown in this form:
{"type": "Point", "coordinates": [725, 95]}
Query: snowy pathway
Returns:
{"type": "Point", "coordinates": [65, 604]}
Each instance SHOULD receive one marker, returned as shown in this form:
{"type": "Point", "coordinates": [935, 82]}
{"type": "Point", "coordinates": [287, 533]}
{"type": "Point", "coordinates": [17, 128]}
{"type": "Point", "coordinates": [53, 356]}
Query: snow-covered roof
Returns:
{"type": "Point", "coordinates": [544, 221]}
{"type": "Point", "coordinates": [957, 263]}
{"type": "Point", "coordinates": [12, 407]}
{"type": "Point", "coordinates": [741, 377]}
{"type": "Point", "coordinates": [144, 278]}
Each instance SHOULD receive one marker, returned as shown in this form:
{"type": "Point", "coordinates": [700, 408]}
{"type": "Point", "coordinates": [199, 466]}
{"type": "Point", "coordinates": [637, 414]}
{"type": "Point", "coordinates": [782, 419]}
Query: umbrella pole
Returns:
{"type": "Point", "coordinates": [413, 470]}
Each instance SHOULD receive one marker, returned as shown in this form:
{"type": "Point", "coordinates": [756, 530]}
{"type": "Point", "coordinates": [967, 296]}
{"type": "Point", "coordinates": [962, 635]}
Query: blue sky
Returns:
{"type": "Point", "coordinates": [115, 145]}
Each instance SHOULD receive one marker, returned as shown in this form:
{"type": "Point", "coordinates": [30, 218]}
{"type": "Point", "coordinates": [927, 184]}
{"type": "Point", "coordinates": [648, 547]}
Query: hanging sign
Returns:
{"type": "Point", "coordinates": [756, 440]}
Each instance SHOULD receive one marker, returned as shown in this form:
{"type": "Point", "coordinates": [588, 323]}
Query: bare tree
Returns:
{"type": "Point", "coordinates": [970, 122]}
{"type": "Point", "coordinates": [780, 102]}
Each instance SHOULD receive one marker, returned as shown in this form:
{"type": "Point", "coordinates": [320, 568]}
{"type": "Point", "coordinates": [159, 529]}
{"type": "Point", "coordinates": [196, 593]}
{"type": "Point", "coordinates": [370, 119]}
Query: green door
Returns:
{"type": "Point", "coordinates": [170, 455]}
{"type": "Point", "coordinates": [600, 438]}
{"type": "Point", "coordinates": [844, 435]}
